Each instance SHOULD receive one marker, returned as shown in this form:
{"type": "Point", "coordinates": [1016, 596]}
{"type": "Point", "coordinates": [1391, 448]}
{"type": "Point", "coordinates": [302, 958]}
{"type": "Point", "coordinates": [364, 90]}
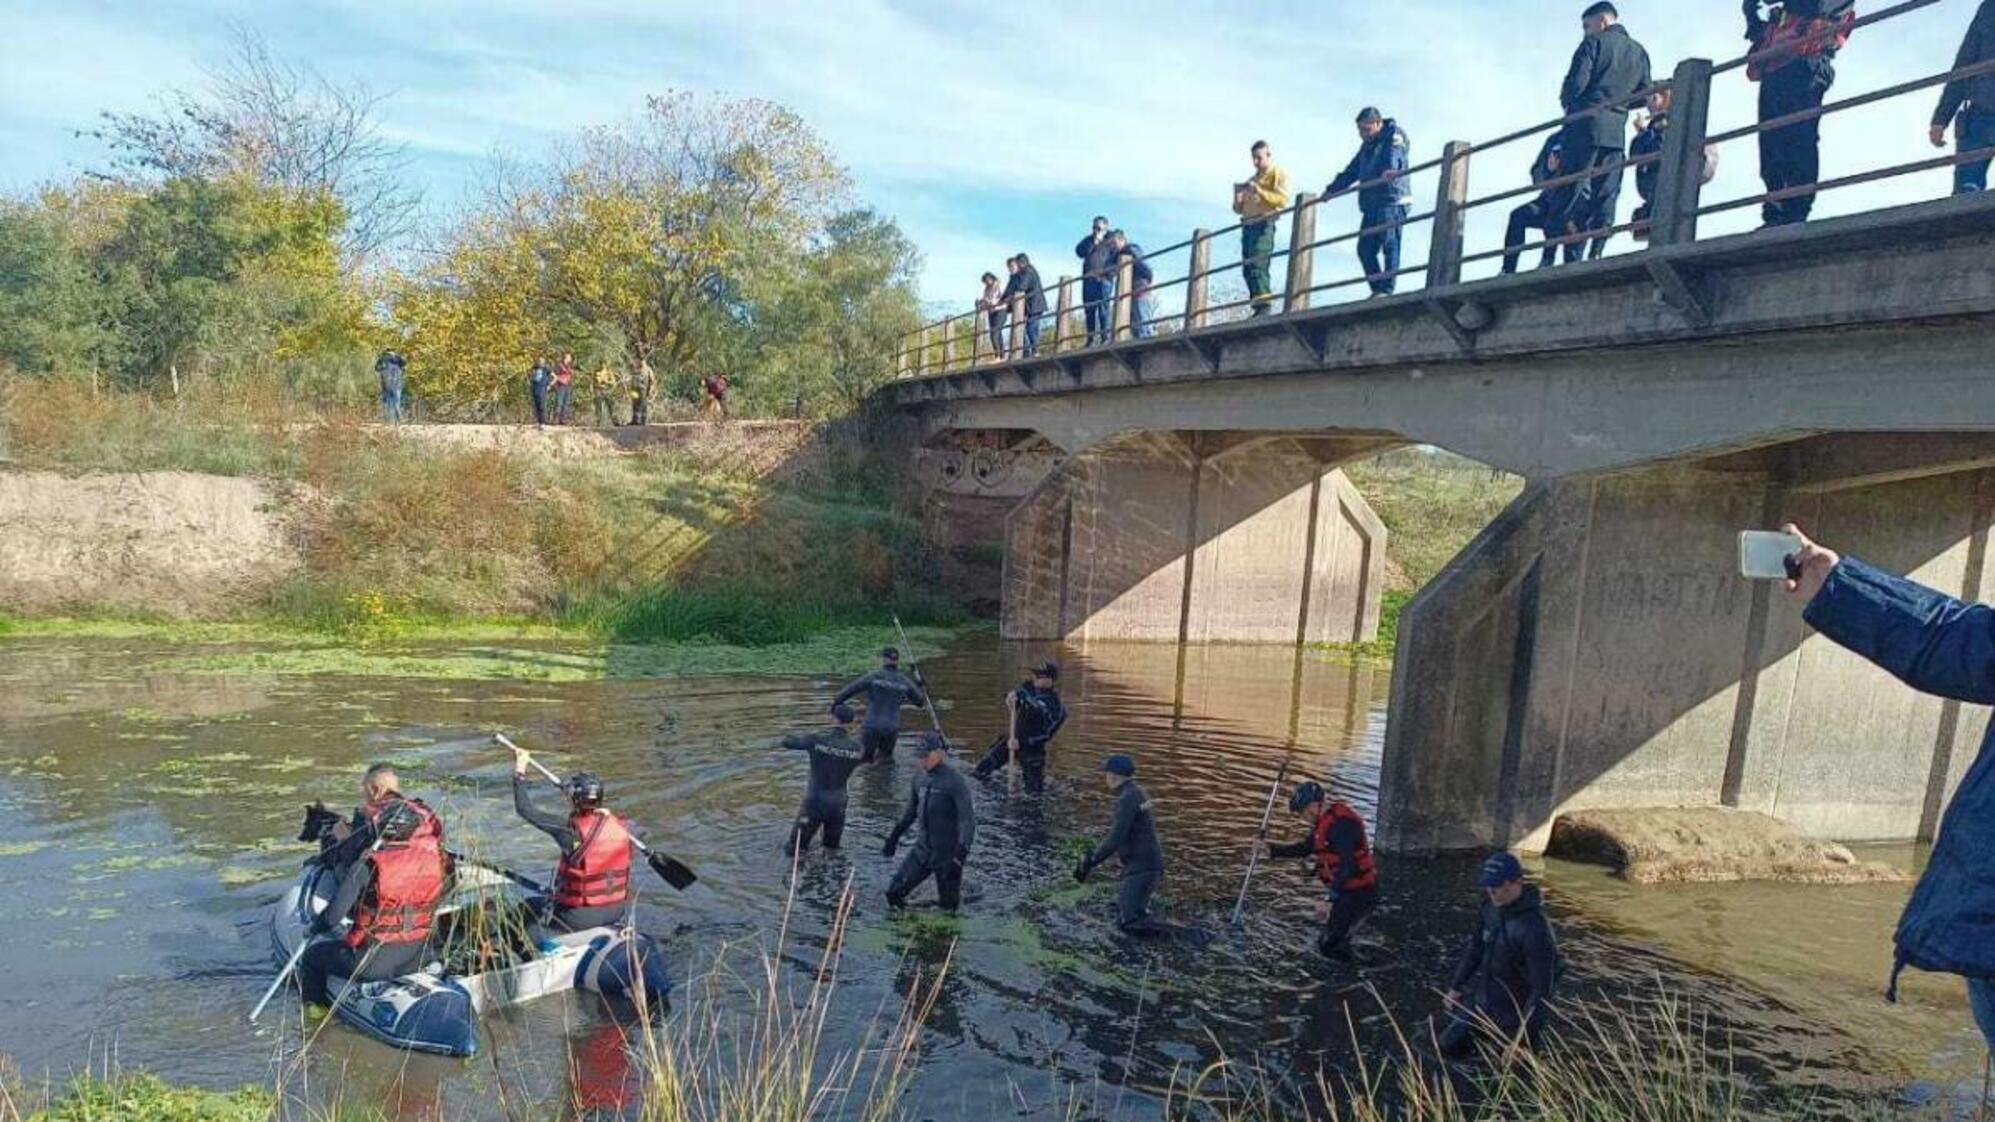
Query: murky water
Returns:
{"type": "Point", "coordinates": [146, 820]}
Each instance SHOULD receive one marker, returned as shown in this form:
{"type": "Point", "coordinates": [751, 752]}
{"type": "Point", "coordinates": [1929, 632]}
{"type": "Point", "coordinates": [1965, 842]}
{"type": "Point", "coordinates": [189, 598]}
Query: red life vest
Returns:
{"type": "Point", "coordinates": [431, 827]}
{"type": "Point", "coordinates": [1366, 875]}
{"type": "Point", "coordinates": [400, 906]}
{"type": "Point", "coordinates": [1801, 38]}
{"type": "Point", "coordinates": [597, 873]}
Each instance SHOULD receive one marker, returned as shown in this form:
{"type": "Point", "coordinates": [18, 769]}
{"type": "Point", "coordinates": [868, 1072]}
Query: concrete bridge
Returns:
{"type": "Point", "coordinates": [1594, 646]}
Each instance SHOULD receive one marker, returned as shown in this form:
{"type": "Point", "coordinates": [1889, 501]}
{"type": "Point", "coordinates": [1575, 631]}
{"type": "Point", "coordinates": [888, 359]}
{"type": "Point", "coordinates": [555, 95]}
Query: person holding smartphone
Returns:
{"type": "Point", "coordinates": [1943, 646]}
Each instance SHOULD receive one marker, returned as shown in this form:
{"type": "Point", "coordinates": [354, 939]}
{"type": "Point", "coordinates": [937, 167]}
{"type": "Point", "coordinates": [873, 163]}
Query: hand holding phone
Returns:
{"type": "Point", "coordinates": [1769, 555]}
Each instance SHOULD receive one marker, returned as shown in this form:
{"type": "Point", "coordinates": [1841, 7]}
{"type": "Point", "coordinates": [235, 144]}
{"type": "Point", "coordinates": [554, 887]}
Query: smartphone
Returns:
{"type": "Point", "coordinates": [1768, 555]}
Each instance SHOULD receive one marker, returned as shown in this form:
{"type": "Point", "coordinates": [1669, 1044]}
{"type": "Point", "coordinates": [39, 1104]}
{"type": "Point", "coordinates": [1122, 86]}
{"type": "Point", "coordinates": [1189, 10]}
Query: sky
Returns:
{"type": "Point", "coordinates": [984, 129]}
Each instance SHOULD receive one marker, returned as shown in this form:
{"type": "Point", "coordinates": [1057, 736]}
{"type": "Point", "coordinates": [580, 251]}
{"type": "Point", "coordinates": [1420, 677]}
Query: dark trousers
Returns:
{"type": "Point", "coordinates": [1534, 215]}
{"type": "Point", "coordinates": [1469, 1028]}
{"type": "Point", "coordinates": [1379, 252]}
{"type": "Point", "coordinates": [1593, 202]}
{"type": "Point", "coordinates": [820, 811]}
{"type": "Point", "coordinates": [1132, 902]}
{"type": "Point", "coordinates": [915, 869]}
{"type": "Point", "coordinates": [1098, 298]}
{"type": "Point", "coordinates": [606, 409]}
{"type": "Point", "coordinates": [878, 743]}
{"type": "Point", "coordinates": [539, 404]}
{"type": "Point", "coordinates": [1791, 156]}
{"type": "Point", "coordinates": [1973, 131]}
{"type": "Point", "coordinates": [998, 347]}
{"type": "Point", "coordinates": [326, 959]}
{"type": "Point", "coordinates": [564, 396]}
{"type": "Point", "coordinates": [1346, 912]}
{"type": "Point", "coordinates": [637, 410]}
{"type": "Point", "coordinates": [1031, 763]}
{"type": "Point", "coordinates": [1257, 252]}
{"type": "Point", "coordinates": [1031, 329]}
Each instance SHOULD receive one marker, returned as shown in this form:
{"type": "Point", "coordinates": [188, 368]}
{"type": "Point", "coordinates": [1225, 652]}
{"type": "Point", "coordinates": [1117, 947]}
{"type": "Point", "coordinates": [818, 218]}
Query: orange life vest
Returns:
{"type": "Point", "coordinates": [597, 873]}
{"type": "Point", "coordinates": [400, 906]}
{"type": "Point", "coordinates": [430, 828]}
{"type": "Point", "coordinates": [1366, 875]}
{"type": "Point", "coordinates": [1802, 37]}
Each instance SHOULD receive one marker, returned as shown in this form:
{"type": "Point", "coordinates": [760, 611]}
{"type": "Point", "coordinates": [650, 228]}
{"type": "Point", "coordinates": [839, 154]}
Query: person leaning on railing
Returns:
{"type": "Point", "coordinates": [1968, 104]}
{"type": "Point", "coordinates": [1607, 70]}
{"type": "Point", "coordinates": [991, 303]}
{"type": "Point", "coordinates": [1142, 305]}
{"type": "Point", "coordinates": [1025, 282]}
{"type": "Point", "coordinates": [1798, 40]}
{"type": "Point", "coordinates": [1257, 201]}
{"type": "Point", "coordinates": [1097, 281]}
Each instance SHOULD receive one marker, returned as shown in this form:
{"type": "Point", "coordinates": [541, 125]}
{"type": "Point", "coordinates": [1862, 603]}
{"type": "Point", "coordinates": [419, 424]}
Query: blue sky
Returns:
{"type": "Point", "coordinates": [984, 128]}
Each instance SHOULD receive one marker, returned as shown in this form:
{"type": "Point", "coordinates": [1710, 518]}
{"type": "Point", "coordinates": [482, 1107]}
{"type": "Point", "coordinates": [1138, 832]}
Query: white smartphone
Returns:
{"type": "Point", "coordinates": [1766, 554]}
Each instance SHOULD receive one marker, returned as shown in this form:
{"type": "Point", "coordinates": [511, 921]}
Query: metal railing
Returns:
{"type": "Point", "coordinates": [969, 340]}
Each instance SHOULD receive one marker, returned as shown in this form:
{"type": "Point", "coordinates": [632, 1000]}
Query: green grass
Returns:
{"type": "Point", "coordinates": [141, 1097]}
{"type": "Point", "coordinates": [1432, 504]}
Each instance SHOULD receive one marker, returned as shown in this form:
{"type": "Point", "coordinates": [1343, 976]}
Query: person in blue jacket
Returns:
{"type": "Point", "coordinates": [1945, 647]}
{"type": "Point", "coordinates": [1379, 173]}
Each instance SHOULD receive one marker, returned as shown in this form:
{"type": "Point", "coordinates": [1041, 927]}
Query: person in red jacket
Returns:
{"type": "Point", "coordinates": [1343, 861]}
{"type": "Point", "coordinates": [592, 879]}
{"type": "Point", "coordinates": [391, 893]}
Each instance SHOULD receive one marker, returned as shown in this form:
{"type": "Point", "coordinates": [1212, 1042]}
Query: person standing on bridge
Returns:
{"type": "Point", "coordinates": [1798, 41]}
{"type": "Point", "coordinates": [1514, 954]}
{"type": "Point", "coordinates": [1968, 104]}
{"type": "Point", "coordinates": [991, 303]}
{"type": "Point", "coordinates": [1379, 173]}
{"type": "Point", "coordinates": [1607, 70]}
{"type": "Point", "coordinates": [1132, 841]}
{"type": "Point", "coordinates": [1142, 305]}
{"type": "Point", "coordinates": [886, 690]}
{"type": "Point", "coordinates": [1025, 283]}
{"type": "Point", "coordinates": [1257, 201]}
{"type": "Point", "coordinates": [1546, 212]}
{"type": "Point", "coordinates": [1945, 647]}
{"type": "Point", "coordinates": [1097, 281]}
{"type": "Point", "coordinates": [1343, 860]}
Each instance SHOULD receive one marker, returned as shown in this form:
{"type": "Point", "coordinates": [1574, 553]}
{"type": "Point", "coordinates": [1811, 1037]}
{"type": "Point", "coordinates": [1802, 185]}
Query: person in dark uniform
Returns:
{"type": "Point", "coordinates": [834, 755]}
{"type": "Point", "coordinates": [1344, 864]}
{"type": "Point", "coordinates": [886, 690]}
{"type": "Point", "coordinates": [1968, 104]}
{"type": "Point", "coordinates": [1547, 212]}
{"type": "Point", "coordinates": [1651, 132]}
{"type": "Point", "coordinates": [1035, 716]}
{"type": "Point", "coordinates": [1802, 37]}
{"type": "Point", "coordinates": [941, 804]}
{"type": "Point", "coordinates": [1607, 70]}
{"type": "Point", "coordinates": [1516, 957]}
{"type": "Point", "coordinates": [1381, 164]}
{"type": "Point", "coordinates": [1132, 840]}
{"type": "Point", "coordinates": [592, 884]}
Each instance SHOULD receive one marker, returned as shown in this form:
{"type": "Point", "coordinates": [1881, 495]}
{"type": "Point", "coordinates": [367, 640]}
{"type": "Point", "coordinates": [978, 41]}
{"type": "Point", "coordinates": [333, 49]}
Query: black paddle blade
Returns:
{"type": "Point", "coordinates": [675, 874]}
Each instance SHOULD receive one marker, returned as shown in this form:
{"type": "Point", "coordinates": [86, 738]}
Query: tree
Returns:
{"type": "Point", "coordinates": [831, 333]}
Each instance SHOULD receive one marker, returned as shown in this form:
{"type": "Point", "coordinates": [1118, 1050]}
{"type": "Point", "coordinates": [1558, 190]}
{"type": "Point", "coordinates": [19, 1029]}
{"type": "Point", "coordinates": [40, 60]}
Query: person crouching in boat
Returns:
{"type": "Point", "coordinates": [592, 880]}
{"type": "Point", "coordinates": [391, 893]}
{"type": "Point", "coordinates": [380, 790]}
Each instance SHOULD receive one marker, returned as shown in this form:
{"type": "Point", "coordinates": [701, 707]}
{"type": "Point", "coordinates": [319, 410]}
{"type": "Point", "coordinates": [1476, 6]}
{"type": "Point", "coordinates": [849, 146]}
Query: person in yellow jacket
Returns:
{"type": "Point", "coordinates": [604, 382]}
{"type": "Point", "coordinates": [1258, 201]}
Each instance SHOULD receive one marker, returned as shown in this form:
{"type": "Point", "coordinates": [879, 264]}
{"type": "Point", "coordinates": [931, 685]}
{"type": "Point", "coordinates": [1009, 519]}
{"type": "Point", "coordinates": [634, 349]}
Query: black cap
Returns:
{"type": "Point", "coordinates": [1306, 794]}
{"type": "Point", "coordinates": [1047, 669]}
{"type": "Point", "coordinates": [930, 742]}
{"type": "Point", "coordinates": [890, 654]}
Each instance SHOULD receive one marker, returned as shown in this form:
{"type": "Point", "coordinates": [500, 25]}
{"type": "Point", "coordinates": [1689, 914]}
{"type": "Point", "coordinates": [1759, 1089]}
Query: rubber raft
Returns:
{"type": "Point", "coordinates": [436, 1010]}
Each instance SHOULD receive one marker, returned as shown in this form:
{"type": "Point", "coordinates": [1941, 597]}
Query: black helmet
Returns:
{"type": "Point", "coordinates": [585, 789]}
{"type": "Point", "coordinates": [1308, 792]}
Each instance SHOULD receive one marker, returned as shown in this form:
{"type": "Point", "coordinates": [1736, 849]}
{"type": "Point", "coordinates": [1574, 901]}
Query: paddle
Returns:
{"type": "Point", "coordinates": [1267, 814]}
{"type": "Point", "coordinates": [393, 818]}
{"type": "Point", "coordinates": [670, 870]}
{"type": "Point", "coordinates": [927, 702]}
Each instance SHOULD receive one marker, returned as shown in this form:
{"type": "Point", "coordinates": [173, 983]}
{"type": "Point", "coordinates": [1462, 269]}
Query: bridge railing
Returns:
{"type": "Point", "coordinates": [968, 340]}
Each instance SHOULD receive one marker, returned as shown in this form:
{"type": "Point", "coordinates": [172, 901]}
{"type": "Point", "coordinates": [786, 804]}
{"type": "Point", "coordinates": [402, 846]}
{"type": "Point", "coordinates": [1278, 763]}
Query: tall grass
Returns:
{"type": "Point", "coordinates": [1432, 504]}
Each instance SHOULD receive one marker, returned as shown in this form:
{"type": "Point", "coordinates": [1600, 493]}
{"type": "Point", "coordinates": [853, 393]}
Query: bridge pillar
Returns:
{"type": "Point", "coordinates": [1194, 538]}
{"type": "Point", "coordinates": [1595, 647]}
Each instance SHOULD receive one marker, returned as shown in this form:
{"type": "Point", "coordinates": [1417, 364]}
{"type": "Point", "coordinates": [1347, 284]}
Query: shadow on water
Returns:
{"type": "Point", "coordinates": [146, 818]}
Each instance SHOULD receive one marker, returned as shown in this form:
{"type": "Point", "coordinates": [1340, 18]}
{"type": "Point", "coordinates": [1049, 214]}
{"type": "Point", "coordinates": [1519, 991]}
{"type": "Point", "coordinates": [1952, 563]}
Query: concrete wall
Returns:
{"type": "Point", "coordinates": [1157, 537]}
{"type": "Point", "coordinates": [1596, 648]}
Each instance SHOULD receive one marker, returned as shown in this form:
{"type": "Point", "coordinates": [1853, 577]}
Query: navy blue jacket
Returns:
{"type": "Point", "coordinates": [1941, 646]}
{"type": "Point", "coordinates": [1133, 837]}
{"type": "Point", "coordinates": [1607, 69]}
{"type": "Point", "coordinates": [1649, 140]}
{"type": "Point", "coordinates": [1385, 152]}
{"type": "Point", "coordinates": [1516, 956]}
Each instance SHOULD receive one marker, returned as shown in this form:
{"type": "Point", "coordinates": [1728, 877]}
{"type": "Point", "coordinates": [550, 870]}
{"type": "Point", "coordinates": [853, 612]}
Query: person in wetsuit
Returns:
{"type": "Point", "coordinates": [886, 690]}
{"type": "Point", "coordinates": [942, 805]}
{"type": "Point", "coordinates": [1133, 841]}
{"type": "Point", "coordinates": [1343, 862]}
{"type": "Point", "coordinates": [834, 755]}
{"type": "Point", "coordinates": [592, 882]}
{"type": "Point", "coordinates": [391, 892]}
{"type": "Point", "coordinates": [1036, 714]}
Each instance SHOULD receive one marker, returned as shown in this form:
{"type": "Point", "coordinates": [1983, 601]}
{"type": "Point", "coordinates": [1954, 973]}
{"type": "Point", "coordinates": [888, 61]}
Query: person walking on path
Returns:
{"type": "Point", "coordinates": [834, 755]}
{"type": "Point", "coordinates": [946, 814]}
{"type": "Point", "coordinates": [1097, 281]}
{"type": "Point", "coordinates": [1257, 201]}
{"type": "Point", "coordinates": [886, 690]}
{"type": "Point", "coordinates": [991, 303]}
{"type": "Point", "coordinates": [1132, 840]}
{"type": "Point", "coordinates": [1800, 39]}
{"type": "Point", "coordinates": [537, 382]}
{"type": "Point", "coordinates": [1380, 166]}
{"type": "Point", "coordinates": [1514, 955]}
{"type": "Point", "coordinates": [1607, 70]}
{"type": "Point", "coordinates": [1343, 859]}
{"type": "Point", "coordinates": [564, 388]}
{"type": "Point", "coordinates": [392, 369]}
{"type": "Point", "coordinates": [1968, 104]}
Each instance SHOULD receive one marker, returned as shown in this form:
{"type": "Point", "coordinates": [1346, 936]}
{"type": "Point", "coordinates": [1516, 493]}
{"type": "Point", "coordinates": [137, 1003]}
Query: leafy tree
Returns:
{"type": "Point", "coordinates": [830, 333]}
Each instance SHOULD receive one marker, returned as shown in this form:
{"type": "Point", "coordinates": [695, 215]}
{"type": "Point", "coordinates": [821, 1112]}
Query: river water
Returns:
{"type": "Point", "coordinates": [147, 811]}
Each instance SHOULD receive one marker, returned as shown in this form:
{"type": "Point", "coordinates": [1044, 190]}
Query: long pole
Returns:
{"type": "Point", "coordinates": [1267, 815]}
{"type": "Point", "coordinates": [927, 702]}
{"type": "Point", "coordinates": [291, 964]}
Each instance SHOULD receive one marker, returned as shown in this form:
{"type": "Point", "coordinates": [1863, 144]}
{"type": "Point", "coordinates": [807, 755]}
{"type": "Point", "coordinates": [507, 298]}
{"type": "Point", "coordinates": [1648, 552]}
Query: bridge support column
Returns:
{"type": "Point", "coordinates": [1206, 538]}
{"type": "Point", "coordinates": [1595, 647]}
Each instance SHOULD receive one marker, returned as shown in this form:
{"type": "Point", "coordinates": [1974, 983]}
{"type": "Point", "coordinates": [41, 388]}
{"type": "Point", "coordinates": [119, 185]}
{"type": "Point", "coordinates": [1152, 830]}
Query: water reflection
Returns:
{"type": "Point", "coordinates": [145, 821]}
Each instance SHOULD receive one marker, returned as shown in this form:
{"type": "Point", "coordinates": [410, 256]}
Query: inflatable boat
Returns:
{"type": "Point", "coordinates": [483, 961]}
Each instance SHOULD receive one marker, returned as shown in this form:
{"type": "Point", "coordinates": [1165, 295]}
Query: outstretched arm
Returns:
{"type": "Point", "coordinates": [1125, 817]}
{"type": "Point", "coordinates": [554, 827]}
{"type": "Point", "coordinates": [852, 691]}
{"type": "Point", "coordinates": [1927, 640]}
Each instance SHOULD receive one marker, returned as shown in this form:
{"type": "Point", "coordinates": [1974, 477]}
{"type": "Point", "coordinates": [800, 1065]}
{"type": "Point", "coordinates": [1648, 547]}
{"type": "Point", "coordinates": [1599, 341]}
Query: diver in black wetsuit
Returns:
{"type": "Point", "coordinates": [1133, 841]}
{"type": "Point", "coordinates": [834, 755]}
{"type": "Point", "coordinates": [1036, 714]}
{"type": "Point", "coordinates": [946, 814]}
{"type": "Point", "coordinates": [886, 690]}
